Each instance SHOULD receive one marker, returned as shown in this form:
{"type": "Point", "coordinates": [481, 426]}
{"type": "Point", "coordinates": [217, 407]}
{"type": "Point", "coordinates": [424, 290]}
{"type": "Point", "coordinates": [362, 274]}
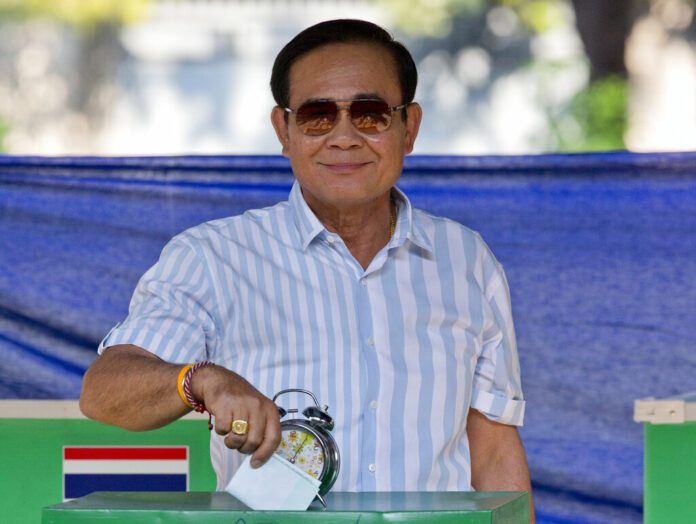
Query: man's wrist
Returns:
{"type": "Point", "coordinates": [190, 389]}
{"type": "Point", "coordinates": [199, 379]}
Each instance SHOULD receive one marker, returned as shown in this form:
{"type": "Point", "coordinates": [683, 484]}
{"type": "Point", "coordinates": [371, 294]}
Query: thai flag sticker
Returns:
{"type": "Point", "coordinates": [124, 468]}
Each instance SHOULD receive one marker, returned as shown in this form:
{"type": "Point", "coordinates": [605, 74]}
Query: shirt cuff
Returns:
{"type": "Point", "coordinates": [497, 408]}
{"type": "Point", "coordinates": [106, 341]}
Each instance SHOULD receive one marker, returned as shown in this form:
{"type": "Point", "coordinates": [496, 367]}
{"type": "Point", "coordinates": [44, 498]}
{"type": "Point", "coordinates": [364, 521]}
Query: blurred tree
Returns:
{"type": "Point", "coordinates": [84, 62]}
{"type": "Point", "coordinates": [601, 108]}
{"type": "Point", "coordinates": [596, 117]}
{"type": "Point", "coordinates": [593, 119]}
{"type": "Point", "coordinates": [77, 13]}
{"type": "Point", "coordinates": [429, 17]}
{"type": "Point", "coordinates": [437, 17]}
{"type": "Point", "coordinates": [604, 27]}
{"type": "Point", "coordinates": [4, 128]}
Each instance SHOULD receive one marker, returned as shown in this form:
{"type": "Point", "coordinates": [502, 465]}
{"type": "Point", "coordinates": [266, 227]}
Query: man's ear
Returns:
{"type": "Point", "coordinates": [281, 128]}
{"type": "Point", "coordinates": [414, 114]}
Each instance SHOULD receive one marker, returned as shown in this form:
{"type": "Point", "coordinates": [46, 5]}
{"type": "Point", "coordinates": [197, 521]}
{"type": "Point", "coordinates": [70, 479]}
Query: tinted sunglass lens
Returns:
{"type": "Point", "coordinates": [370, 116]}
{"type": "Point", "coordinates": [316, 118]}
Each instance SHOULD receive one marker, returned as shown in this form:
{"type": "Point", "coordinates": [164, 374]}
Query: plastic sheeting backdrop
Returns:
{"type": "Point", "coordinates": [599, 251]}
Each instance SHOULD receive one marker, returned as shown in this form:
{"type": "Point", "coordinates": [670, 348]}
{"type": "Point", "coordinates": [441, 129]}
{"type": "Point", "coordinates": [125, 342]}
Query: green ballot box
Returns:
{"type": "Point", "coordinates": [362, 508]}
{"type": "Point", "coordinates": [670, 458]}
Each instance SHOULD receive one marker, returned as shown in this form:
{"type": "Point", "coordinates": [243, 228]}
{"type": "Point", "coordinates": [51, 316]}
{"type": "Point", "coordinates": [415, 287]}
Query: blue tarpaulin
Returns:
{"type": "Point", "coordinates": [599, 251]}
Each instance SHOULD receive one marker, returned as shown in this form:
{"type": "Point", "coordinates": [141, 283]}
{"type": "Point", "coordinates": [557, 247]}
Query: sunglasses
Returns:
{"type": "Point", "coordinates": [369, 116]}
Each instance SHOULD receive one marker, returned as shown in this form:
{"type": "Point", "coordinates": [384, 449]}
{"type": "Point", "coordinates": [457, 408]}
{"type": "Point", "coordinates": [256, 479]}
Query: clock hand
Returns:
{"type": "Point", "coordinates": [297, 450]}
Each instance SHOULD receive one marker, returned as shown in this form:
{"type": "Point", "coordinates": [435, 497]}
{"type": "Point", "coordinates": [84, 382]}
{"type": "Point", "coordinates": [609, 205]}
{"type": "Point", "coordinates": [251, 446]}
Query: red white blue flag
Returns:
{"type": "Point", "coordinates": [124, 468]}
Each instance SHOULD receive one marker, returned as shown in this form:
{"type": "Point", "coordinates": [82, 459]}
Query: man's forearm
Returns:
{"type": "Point", "coordinates": [498, 461]}
{"type": "Point", "coordinates": [503, 470]}
{"type": "Point", "coordinates": [131, 388]}
{"type": "Point", "coordinates": [507, 472]}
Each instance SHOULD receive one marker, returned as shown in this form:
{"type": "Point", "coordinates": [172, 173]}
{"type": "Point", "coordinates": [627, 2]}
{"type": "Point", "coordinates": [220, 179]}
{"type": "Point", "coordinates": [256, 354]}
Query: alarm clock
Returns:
{"type": "Point", "coordinates": [307, 442]}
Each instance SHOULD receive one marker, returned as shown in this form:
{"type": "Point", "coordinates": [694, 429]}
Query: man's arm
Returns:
{"type": "Point", "coordinates": [130, 387]}
{"type": "Point", "coordinates": [498, 462]}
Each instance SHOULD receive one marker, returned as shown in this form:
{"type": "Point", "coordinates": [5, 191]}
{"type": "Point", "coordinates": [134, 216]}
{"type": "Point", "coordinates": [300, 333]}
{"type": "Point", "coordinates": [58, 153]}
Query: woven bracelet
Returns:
{"type": "Point", "coordinates": [184, 386]}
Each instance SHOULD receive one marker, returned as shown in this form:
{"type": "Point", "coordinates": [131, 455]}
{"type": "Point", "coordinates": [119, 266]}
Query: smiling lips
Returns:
{"type": "Point", "coordinates": [344, 166]}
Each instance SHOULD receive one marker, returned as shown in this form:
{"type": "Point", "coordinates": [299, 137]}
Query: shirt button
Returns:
{"type": "Point", "coordinates": [331, 239]}
{"type": "Point", "coordinates": [373, 404]}
{"type": "Point", "coordinates": [372, 468]}
{"type": "Point", "coordinates": [371, 341]}
{"type": "Point", "coordinates": [363, 281]}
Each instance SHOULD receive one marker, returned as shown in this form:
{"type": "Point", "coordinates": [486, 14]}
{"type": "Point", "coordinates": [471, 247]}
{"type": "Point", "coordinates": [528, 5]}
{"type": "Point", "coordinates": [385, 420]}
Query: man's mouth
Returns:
{"type": "Point", "coordinates": [344, 166]}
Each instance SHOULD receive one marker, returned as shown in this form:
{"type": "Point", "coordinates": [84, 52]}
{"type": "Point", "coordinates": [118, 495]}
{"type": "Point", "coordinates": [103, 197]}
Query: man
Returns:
{"type": "Point", "coordinates": [398, 320]}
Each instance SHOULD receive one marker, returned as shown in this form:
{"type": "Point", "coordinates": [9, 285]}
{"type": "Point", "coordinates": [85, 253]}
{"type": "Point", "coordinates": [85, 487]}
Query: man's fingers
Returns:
{"type": "Point", "coordinates": [223, 424]}
{"type": "Point", "coordinates": [234, 440]}
{"type": "Point", "coordinates": [258, 412]}
{"type": "Point", "coordinates": [271, 438]}
{"type": "Point", "coordinates": [255, 432]}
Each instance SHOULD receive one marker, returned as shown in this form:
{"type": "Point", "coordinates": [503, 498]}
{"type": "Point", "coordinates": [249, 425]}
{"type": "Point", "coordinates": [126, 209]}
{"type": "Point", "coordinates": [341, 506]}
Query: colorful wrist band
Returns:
{"type": "Point", "coordinates": [183, 385]}
{"type": "Point", "coordinates": [180, 384]}
{"type": "Point", "coordinates": [186, 386]}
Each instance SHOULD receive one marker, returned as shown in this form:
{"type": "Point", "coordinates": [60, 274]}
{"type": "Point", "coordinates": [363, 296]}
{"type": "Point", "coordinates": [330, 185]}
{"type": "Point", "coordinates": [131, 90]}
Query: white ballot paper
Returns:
{"type": "Point", "coordinates": [277, 485]}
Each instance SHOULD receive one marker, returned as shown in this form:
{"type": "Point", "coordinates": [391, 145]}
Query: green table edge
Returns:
{"type": "Point", "coordinates": [344, 507]}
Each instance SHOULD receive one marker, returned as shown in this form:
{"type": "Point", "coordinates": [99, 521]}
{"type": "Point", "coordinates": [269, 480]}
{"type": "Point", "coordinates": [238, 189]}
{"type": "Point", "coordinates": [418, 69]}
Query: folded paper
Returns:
{"type": "Point", "coordinates": [277, 485]}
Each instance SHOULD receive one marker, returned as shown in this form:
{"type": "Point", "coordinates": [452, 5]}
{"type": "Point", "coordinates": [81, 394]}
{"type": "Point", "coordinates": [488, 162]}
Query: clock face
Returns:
{"type": "Point", "coordinates": [301, 448]}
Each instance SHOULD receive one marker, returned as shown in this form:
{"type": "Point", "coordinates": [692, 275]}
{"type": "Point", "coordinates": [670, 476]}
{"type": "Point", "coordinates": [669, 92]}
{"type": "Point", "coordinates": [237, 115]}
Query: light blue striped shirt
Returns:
{"type": "Point", "coordinates": [398, 351]}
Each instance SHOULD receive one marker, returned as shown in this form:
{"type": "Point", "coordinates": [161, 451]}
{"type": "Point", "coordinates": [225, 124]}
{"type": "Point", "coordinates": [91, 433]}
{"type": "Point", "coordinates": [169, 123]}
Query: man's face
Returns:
{"type": "Point", "coordinates": [345, 168]}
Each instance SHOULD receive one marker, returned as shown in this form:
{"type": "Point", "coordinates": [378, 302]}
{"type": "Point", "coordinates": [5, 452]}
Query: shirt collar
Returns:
{"type": "Point", "coordinates": [309, 227]}
{"type": "Point", "coordinates": [406, 228]}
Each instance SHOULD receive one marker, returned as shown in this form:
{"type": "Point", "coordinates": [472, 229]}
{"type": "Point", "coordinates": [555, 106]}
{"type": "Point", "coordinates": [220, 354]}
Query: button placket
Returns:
{"type": "Point", "coordinates": [368, 445]}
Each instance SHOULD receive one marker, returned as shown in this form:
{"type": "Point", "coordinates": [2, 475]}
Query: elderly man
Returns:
{"type": "Point", "coordinates": [398, 320]}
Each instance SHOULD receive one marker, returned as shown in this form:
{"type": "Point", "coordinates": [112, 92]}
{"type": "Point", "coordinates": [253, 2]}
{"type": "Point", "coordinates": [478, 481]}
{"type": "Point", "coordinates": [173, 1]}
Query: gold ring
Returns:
{"type": "Point", "coordinates": [240, 427]}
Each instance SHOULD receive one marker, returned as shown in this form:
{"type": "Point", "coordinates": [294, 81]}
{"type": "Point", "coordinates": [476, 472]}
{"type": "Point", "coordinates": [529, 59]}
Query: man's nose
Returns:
{"type": "Point", "coordinates": [344, 135]}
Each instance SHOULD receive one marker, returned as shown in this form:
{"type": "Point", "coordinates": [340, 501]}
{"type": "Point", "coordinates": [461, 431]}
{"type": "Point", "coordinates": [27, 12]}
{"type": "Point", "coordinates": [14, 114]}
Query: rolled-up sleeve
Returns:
{"type": "Point", "coordinates": [497, 388]}
{"type": "Point", "coordinates": [171, 313]}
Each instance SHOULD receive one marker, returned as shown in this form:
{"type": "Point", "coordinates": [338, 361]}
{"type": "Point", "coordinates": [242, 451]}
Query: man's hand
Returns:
{"type": "Point", "coordinates": [130, 387]}
{"type": "Point", "coordinates": [498, 462]}
{"type": "Point", "coordinates": [229, 397]}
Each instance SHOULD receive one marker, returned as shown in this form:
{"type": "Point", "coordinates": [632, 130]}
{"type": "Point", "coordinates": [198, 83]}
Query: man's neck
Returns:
{"type": "Point", "coordinates": [364, 230]}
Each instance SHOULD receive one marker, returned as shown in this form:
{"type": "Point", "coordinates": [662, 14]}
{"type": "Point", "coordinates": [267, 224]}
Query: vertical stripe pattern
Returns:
{"type": "Point", "coordinates": [399, 351]}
